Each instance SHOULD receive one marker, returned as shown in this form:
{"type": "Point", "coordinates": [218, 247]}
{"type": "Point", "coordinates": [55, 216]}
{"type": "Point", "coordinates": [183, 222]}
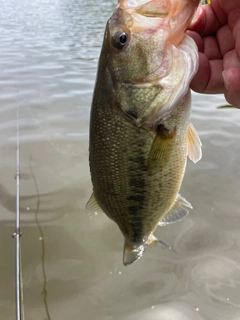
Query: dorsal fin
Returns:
{"type": "Point", "coordinates": [177, 212]}
{"type": "Point", "coordinates": [193, 144]}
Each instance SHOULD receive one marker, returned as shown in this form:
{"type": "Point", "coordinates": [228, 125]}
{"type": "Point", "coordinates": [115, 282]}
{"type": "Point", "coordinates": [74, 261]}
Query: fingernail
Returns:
{"type": "Point", "coordinates": [196, 16]}
{"type": "Point", "coordinates": [225, 80]}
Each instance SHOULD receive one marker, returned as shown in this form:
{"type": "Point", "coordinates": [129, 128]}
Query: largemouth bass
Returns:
{"type": "Point", "coordinates": [140, 130]}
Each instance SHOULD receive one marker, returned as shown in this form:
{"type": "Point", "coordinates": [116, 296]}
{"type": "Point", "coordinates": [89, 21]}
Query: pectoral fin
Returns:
{"type": "Point", "coordinates": [178, 212]}
{"type": "Point", "coordinates": [193, 144]}
{"type": "Point", "coordinates": [92, 204]}
{"type": "Point", "coordinates": [161, 149]}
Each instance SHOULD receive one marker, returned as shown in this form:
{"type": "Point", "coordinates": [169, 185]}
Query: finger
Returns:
{"type": "Point", "coordinates": [237, 45]}
{"type": "Point", "coordinates": [231, 60]}
{"type": "Point", "coordinates": [201, 79]}
{"type": "Point", "coordinates": [206, 22]}
{"type": "Point", "coordinates": [232, 84]}
{"type": "Point", "coordinates": [234, 24]}
{"type": "Point", "coordinates": [211, 48]}
{"type": "Point", "coordinates": [209, 76]}
{"type": "Point", "coordinates": [225, 39]}
{"type": "Point", "coordinates": [220, 10]}
{"type": "Point", "coordinates": [197, 38]}
{"type": "Point", "coordinates": [231, 77]}
{"type": "Point", "coordinates": [207, 45]}
{"type": "Point", "coordinates": [228, 6]}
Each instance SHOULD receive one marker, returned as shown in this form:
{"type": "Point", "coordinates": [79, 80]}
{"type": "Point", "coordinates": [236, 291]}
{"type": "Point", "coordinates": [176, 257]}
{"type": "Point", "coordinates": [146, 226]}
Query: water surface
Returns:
{"type": "Point", "coordinates": [72, 259]}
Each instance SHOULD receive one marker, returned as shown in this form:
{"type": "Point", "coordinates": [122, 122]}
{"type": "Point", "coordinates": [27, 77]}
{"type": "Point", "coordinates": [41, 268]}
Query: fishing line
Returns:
{"type": "Point", "coordinates": [44, 290]}
{"type": "Point", "coordinates": [17, 235]}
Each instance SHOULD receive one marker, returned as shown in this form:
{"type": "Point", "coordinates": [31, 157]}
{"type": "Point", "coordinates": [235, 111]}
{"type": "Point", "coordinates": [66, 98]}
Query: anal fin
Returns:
{"type": "Point", "coordinates": [178, 212]}
{"type": "Point", "coordinates": [92, 205]}
{"type": "Point", "coordinates": [155, 241]}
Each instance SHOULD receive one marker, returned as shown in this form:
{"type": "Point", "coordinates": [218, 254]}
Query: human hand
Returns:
{"type": "Point", "coordinates": [216, 31]}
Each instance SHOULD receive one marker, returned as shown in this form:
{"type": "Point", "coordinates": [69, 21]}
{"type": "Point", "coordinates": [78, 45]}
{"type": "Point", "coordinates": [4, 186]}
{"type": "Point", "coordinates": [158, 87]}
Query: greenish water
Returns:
{"type": "Point", "coordinates": [72, 260]}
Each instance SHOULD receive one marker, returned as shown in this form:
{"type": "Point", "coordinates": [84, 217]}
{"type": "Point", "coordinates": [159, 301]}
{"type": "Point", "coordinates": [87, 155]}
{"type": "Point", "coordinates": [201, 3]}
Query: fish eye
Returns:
{"type": "Point", "coordinates": [120, 38]}
{"type": "Point", "coordinates": [123, 38]}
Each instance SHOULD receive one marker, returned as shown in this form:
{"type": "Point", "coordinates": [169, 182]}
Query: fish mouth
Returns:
{"type": "Point", "coordinates": [147, 15]}
{"type": "Point", "coordinates": [150, 8]}
{"type": "Point", "coordinates": [172, 15]}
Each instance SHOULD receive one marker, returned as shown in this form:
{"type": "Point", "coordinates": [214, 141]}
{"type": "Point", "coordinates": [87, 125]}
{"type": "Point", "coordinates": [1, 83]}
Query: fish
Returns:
{"type": "Point", "coordinates": [140, 128]}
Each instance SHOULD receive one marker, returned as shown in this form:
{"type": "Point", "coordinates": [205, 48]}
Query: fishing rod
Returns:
{"type": "Point", "coordinates": [17, 233]}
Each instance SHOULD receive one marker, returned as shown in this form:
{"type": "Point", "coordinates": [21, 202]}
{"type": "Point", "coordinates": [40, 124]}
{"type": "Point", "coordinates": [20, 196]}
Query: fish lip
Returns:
{"type": "Point", "coordinates": [151, 9]}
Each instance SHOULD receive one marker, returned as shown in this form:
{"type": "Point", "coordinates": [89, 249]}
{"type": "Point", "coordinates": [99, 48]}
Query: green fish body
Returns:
{"type": "Point", "coordinates": [140, 130]}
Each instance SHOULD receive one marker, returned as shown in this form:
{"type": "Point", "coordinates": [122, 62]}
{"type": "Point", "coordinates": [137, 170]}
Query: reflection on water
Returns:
{"type": "Point", "coordinates": [72, 260]}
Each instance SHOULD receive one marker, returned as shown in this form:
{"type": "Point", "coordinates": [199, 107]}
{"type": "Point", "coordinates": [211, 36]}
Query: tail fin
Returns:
{"type": "Point", "coordinates": [131, 254]}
